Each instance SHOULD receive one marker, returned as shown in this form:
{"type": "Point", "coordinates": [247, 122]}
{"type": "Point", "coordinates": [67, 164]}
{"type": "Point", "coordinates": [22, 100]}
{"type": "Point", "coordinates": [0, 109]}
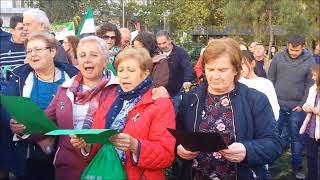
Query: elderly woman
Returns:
{"type": "Point", "coordinates": [37, 80]}
{"type": "Point", "coordinates": [70, 44]}
{"type": "Point", "coordinates": [144, 145]}
{"type": "Point", "coordinates": [160, 69]}
{"type": "Point", "coordinates": [243, 116]}
{"type": "Point", "coordinates": [77, 100]}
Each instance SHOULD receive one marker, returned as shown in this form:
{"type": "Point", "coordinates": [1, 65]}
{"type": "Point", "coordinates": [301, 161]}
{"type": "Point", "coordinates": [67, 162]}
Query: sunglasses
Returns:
{"type": "Point", "coordinates": [106, 37]}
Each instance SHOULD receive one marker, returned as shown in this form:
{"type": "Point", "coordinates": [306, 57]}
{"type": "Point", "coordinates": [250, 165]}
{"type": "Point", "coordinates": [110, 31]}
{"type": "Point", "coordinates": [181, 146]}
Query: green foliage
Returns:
{"type": "Point", "coordinates": [193, 48]}
{"type": "Point", "coordinates": [189, 15]}
{"type": "Point", "coordinates": [298, 16]}
{"type": "Point", "coordinates": [59, 11]}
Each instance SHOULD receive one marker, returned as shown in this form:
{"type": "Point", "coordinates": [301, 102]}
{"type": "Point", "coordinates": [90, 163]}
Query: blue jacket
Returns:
{"type": "Point", "coordinates": [180, 69]}
{"type": "Point", "coordinates": [255, 127]}
{"type": "Point", "coordinates": [12, 155]}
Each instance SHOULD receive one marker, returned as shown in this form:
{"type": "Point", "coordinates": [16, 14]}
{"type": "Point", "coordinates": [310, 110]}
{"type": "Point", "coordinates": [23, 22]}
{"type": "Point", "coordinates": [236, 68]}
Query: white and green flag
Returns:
{"type": "Point", "coordinates": [62, 30]}
{"type": "Point", "coordinates": [87, 24]}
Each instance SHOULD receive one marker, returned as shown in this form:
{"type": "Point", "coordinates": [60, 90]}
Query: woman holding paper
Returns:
{"type": "Point", "coordinates": [243, 116]}
{"type": "Point", "coordinates": [77, 101]}
{"type": "Point", "coordinates": [37, 80]}
{"type": "Point", "coordinates": [144, 145]}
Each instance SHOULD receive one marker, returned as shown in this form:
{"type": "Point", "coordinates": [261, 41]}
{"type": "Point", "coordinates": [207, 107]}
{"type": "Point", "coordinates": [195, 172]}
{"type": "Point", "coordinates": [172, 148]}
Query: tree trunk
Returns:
{"type": "Point", "coordinates": [270, 33]}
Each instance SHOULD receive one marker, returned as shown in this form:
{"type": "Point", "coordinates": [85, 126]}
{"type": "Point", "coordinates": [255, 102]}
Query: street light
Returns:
{"type": "Point", "coordinates": [123, 13]}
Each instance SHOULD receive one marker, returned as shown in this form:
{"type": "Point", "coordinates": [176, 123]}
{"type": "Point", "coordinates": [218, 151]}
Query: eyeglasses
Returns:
{"type": "Point", "coordinates": [36, 50]}
{"type": "Point", "coordinates": [106, 37]}
{"type": "Point", "coordinates": [18, 29]}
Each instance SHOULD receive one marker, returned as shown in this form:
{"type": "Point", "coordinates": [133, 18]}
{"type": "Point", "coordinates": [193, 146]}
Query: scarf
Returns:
{"type": "Point", "coordinates": [92, 96]}
{"type": "Point", "coordinates": [117, 105]}
{"type": "Point", "coordinates": [116, 118]}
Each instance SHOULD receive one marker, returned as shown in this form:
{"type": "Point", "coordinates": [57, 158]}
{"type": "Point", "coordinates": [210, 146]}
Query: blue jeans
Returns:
{"type": "Point", "coordinates": [293, 120]}
{"type": "Point", "coordinates": [312, 158]}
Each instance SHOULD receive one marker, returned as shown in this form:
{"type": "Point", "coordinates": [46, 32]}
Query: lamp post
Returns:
{"type": "Point", "coordinates": [123, 13]}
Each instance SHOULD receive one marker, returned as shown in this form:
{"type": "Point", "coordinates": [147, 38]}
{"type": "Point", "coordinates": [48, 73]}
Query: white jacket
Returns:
{"type": "Point", "coordinates": [310, 101]}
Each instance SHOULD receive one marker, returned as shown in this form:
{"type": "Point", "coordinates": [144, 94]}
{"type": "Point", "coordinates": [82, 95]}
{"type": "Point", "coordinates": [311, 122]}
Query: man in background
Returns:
{"type": "Point", "coordinates": [180, 68]}
{"type": "Point", "coordinates": [36, 21]}
{"type": "Point", "coordinates": [12, 50]}
{"type": "Point", "coordinates": [290, 73]}
{"type": "Point", "coordinates": [125, 38]}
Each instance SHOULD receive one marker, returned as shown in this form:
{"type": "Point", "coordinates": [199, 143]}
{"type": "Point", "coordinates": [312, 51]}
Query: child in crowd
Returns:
{"type": "Point", "coordinates": [311, 124]}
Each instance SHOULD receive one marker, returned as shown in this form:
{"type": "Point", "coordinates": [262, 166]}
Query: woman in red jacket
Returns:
{"type": "Point", "coordinates": [144, 145]}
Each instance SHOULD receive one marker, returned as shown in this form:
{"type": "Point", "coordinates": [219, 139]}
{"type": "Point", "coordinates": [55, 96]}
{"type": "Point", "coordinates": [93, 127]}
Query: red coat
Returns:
{"type": "Point", "coordinates": [150, 128]}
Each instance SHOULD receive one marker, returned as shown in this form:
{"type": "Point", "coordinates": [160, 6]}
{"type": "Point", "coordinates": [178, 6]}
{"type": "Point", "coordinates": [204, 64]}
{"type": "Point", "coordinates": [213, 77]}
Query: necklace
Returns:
{"type": "Point", "coordinates": [53, 77]}
{"type": "Point", "coordinates": [52, 84]}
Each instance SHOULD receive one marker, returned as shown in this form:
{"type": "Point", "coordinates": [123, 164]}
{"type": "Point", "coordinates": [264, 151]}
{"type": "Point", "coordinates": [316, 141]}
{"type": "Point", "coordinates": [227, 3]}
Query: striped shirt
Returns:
{"type": "Point", "coordinates": [11, 55]}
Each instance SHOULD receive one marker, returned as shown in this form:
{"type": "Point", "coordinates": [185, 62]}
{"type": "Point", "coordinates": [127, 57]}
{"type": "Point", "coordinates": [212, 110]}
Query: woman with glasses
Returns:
{"type": "Point", "coordinates": [112, 37]}
{"type": "Point", "coordinates": [70, 44]}
{"type": "Point", "coordinates": [37, 80]}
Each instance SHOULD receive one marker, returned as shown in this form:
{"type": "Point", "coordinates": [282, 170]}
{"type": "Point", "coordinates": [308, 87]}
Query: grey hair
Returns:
{"type": "Point", "coordinates": [39, 16]}
{"type": "Point", "coordinates": [163, 33]}
{"type": "Point", "coordinates": [102, 45]}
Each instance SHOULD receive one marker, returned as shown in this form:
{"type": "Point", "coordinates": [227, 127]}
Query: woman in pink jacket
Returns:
{"type": "Point", "coordinates": [76, 102]}
{"type": "Point", "coordinates": [144, 145]}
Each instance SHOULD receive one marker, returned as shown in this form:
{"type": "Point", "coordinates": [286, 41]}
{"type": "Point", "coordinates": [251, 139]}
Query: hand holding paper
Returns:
{"type": "Point", "coordinates": [185, 154]}
{"type": "Point", "coordinates": [89, 136]}
{"type": "Point", "coordinates": [26, 112]}
{"type": "Point", "coordinates": [17, 127]}
{"type": "Point", "coordinates": [125, 142]}
{"type": "Point", "coordinates": [77, 142]}
{"type": "Point", "coordinates": [236, 152]}
{"type": "Point", "coordinates": [197, 141]}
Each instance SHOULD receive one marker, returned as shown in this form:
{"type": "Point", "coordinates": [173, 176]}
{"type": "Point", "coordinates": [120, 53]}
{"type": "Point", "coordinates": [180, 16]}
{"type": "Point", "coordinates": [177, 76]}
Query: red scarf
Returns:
{"type": "Point", "coordinates": [92, 96]}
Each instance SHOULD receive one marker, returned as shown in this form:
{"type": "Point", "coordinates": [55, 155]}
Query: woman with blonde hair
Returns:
{"type": "Point", "coordinates": [143, 144]}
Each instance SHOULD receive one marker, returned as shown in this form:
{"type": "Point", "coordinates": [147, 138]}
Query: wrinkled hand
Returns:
{"type": "Point", "coordinates": [125, 142]}
{"type": "Point", "coordinates": [159, 92]}
{"type": "Point", "coordinates": [16, 127]}
{"type": "Point", "coordinates": [236, 152]}
{"type": "Point", "coordinates": [77, 142]}
{"type": "Point", "coordinates": [185, 154]}
{"type": "Point", "coordinates": [297, 109]}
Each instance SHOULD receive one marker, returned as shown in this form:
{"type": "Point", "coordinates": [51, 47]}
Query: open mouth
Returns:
{"type": "Point", "coordinates": [35, 60]}
{"type": "Point", "coordinates": [89, 69]}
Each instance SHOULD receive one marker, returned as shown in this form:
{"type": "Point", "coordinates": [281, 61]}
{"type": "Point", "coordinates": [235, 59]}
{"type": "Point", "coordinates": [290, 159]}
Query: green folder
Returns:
{"type": "Point", "coordinates": [26, 112]}
{"type": "Point", "coordinates": [91, 136]}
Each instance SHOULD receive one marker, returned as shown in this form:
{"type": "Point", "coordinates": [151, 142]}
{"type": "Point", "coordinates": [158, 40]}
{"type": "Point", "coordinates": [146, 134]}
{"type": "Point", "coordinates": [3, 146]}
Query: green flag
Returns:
{"type": "Point", "coordinates": [87, 24]}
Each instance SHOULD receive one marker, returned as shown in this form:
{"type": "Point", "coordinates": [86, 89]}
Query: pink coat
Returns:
{"type": "Point", "coordinates": [148, 122]}
{"type": "Point", "coordinates": [69, 163]}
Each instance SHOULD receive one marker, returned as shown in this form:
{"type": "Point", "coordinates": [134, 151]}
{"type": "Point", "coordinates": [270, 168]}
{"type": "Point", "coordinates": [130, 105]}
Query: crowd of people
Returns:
{"type": "Point", "coordinates": [141, 86]}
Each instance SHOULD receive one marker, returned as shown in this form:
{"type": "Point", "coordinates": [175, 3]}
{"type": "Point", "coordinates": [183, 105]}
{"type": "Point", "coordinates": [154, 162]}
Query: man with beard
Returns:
{"type": "Point", "coordinates": [290, 73]}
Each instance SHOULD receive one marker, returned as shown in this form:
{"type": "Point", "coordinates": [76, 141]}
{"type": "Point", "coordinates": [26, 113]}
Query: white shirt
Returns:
{"type": "Point", "coordinates": [79, 112]}
{"type": "Point", "coordinates": [266, 87]}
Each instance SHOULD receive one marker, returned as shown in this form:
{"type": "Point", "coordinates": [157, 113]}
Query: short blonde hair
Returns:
{"type": "Point", "coordinates": [219, 47]}
{"type": "Point", "coordinates": [141, 55]}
